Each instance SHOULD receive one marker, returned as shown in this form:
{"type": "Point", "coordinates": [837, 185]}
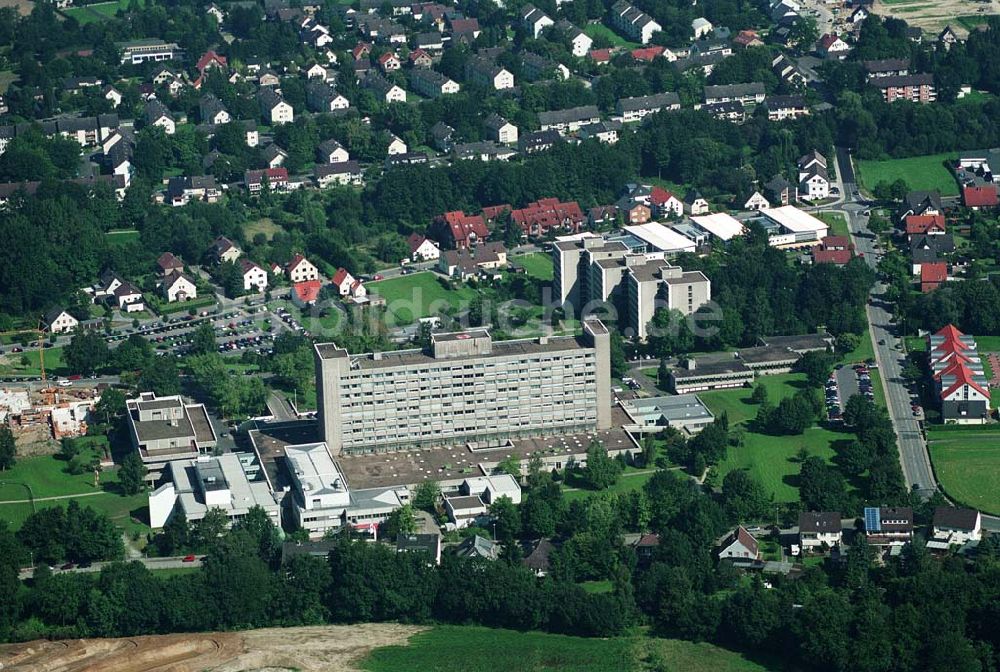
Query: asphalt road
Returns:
{"type": "Point", "coordinates": [172, 562]}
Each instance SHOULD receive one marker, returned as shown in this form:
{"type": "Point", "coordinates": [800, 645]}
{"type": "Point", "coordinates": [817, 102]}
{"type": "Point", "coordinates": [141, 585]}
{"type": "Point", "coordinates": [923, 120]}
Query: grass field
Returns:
{"type": "Point", "coordinates": [410, 297]}
{"type": "Point", "coordinates": [47, 477]}
{"type": "Point", "coordinates": [771, 460]}
{"type": "Point", "coordinates": [122, 236]}
{"type": "Point", "coordinates": [967, 464]}
{"type": "Point", "coordinates": [919, 172]}
{"type": "Point", "coordinates": [595, 30]}
{"type": "Point", "coordinates": [486, 650]}
{"type": "Point", "coordinates": [836, 221]}
{"type": "Point", "coordinates": [183, 306]}
{"type": "Point", "coordinates": [971, 22]}
{"type": "Point", "coordinates": [100, 12]}
{"type": "Point", "coordinates": [264, 225]}
{"type": "Point", "coordinates": [53, 363]}
{"type": "Point", "coordinates": [627, 482]}
{"type": "Point", "coordinates": [537, 265]}
{"type": "Point", "coordinates": [7, 77]}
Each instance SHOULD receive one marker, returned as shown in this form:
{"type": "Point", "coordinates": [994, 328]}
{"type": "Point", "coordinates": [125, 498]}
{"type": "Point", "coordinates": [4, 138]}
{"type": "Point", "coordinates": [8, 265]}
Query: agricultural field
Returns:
{"type": "Point", "coordinates": [537, 265]}
{"type": "Point", "coordinates": [411, 297]}
{"type": "Point", "coordinates": [967, 464]}
{"type": "Point", "coordinates": [486, 650]}
{"type": "Point", "coordinates": [919, 172]}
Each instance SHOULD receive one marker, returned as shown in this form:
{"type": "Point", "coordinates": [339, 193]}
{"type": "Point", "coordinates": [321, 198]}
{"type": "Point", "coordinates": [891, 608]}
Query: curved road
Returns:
{"type": "Point", "coordinates": [913, 455]}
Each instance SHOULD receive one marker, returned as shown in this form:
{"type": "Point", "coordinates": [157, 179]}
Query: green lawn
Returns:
{"type": "Point", "coordinates": [627, 482]}
{"type": "Point", "coordinates": [877, 387]}
{"type": "Point", "coordinates": [7, 77]}
{"type": "Point", "coordinates": [265, 226]}
{"type": "Point", "coordinates": [538, 265]}
{"type": "Point", "coordinates": [183, 306]}
{"type": "Point", "coordinates": [973, 21]}
{"type": "Point", "coordinates": [47, 477]}
{"type": "Point", "coordinates": [99, 12]}
{"type": "Point", "coordinates": [122, 236]}
{"type": "Point", "coordinates": [836, 221]}
{"type": "Point", "coordinates": [862, 353]}
{"type": "Point", "coordinates": [919, 172]}
{"type": "Point", "coordinates": [53, 363]}
{"type": "Point", "coordinates": [410, 297]}
{"type": "Point", "coordinates": [597, 586]}
{"type": "Point", "coordinates": [773, 460]}
{"type": "Point", "coordinates": [967, 464]}
{"type": "Point", "coordinates": [486, 650]}
{"type": "Point", "coordinates": [595, 30]}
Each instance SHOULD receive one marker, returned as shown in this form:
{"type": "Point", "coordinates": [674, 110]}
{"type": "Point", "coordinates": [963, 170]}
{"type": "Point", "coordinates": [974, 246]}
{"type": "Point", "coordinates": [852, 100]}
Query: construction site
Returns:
{"type": "Point", "coordinates": [40, 418]}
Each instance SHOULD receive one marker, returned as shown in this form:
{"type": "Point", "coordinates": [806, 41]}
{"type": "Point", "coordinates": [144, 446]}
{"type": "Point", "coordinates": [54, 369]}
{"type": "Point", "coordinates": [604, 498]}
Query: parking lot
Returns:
{"type": "Point", "coordinates": [844, 383]}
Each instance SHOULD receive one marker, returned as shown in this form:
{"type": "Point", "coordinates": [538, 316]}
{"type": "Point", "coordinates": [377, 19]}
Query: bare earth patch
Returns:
{"type": "Point", "coordinates": [934, 16]}
{"type": "Point", "coordinates": [309, 649]}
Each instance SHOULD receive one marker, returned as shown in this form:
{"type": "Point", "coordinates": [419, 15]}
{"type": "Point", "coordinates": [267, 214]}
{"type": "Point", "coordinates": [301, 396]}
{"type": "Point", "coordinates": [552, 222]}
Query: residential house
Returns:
{"type": "Point", "coordinates": [888, 525]}
{"type": "Point", "coordinates": [645, 548]}
{"type": "Point", "coordinates": [748, 38]}
{"type": "Point", "coordinates": [426, 544]}
{"type": "Point", "coordinates": [579, 41]}
{"type": "Point", "coordinates": [321, 97]}
{"type": "Point", "coordinates": [384, 90]}
{"type": "Point", "coordinates": [443, 136]}
{"type": "Point", "coordinates": [470, 262]}
{"type": "Point", "coordinates": [457, 230]}
{"type": "Point", "coordinates": [316, 71]}
{"type": "Point", "coordinates": [927, 249]}
{"type": "Point", "coordinates": [820, 530]}
{"type": "Point", "coordinates": [182, 190]}
{"type": "Point", "coordinates": [331, 151]}
{"type": "Point", "coordinates": [859, 15]}
{"type": "Point", "coordinates": [814, 183]}
{"type": "Point", "coordinates": [956, 526]}
{"type": "Point", "coordinates": [976, 196]}
{"type": "Point", "coordinates": [695, 203]}
{"type": "Point", "coordinates": [629, 110]}
{"type": "Point", "coordinates": [914, 88]}
{"type": "Point", "coordinates": [603, 131]}
{"type": "Point", "coordinates": [633, 212]}
{"type": "Point", "coordinates": [179, 287]}
{"type": "Point", "coordinates": [389, 62]}
{"type": "Point", "coordinates": [112, 94]}
{"type": "Point", "coordinates": [157, 114]}
{"type": "Point", "coordinates": [167, 263]}
{"type": "Point", "coordinates": [273, 156]}
{"type": "Point", "coordinates": [959, 377]}
{"type": "Point", "coordinates": [58, 321]}
{"type": "Point", "coordinates": [500, 130]}
{"type": "Point", "coordinates": [422, 248]}
{"type": "Point", "coordinates": [300, 269]}
{"type": "Point", "coordinates": [538, 141]}
{"type": "Point", "coordinates": [212, 111]}
{"type": "Point", "coordinates": [747, 94]}
{"type": "Point", "coordinates": [431, 83]}
{"type": "Point", "coordinates": [306, 293]}
{"type": "Point", "coordinates": [342, 281]}
{"type": "Point", "coordinates": [484, 72]}
{"type": "Point", "coordinates": [947, 38]}
{"type": "Point", "coordinates": [463, 30]}
{"type": "Point", "coordinates": [476, 547]}
{"type": "Point", "coordinates": [419, 58]}
{"type": "Point", "coordinates": [886, 67]}
{"type": "Point", "coordinates": [276, 179]}
{"type": "Point", "coordinates": [921, 203]}
{"type": "Point", "coordinates": [273, 107]}
{"type": "Point", "coordinates": [925, 225]}
{"type": "Point", "coordinates": [536, 557]}
{"type": "Point", "coordinates": [700, 27]}
{"type": "Point", "coordinates": [756, 201]}
{"type": "Point", "coordinates": [633, 23]}
{"type": "Point", "coordinates": [569, 120]}
{"type": "Point", "coordinates": [739, 545]}
{"type": "Point", "coordinates": [128, 298]}
{"type": "Point", "coordinates": [780, 108]}
{"type": "Point", "coordinates": [836, 250]}
{"type": "Point", "coordinates": [548, 215]}
{"type": "Point", "coordinates": [396, 145]}
{"type": "Point", "coordinates": [664, 203]}
{"type": "Point", "coordinates": [224, 250]}
{"type": "Point", "coordinates": [343, 173]}
{"type": "Point", "coordinates": [217, 12]}
{"type": "Point", "coordinates": [534, 20]}
{"type": "Point", "coordinates": [268, 78]}
{"type": "Point", "coordinates": [254, 276]}
{"type": "Point", "coordinates": [832, 46]}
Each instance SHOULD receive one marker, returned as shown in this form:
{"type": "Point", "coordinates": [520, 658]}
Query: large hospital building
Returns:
{"type": "Point", "coordinates": [467, 388]}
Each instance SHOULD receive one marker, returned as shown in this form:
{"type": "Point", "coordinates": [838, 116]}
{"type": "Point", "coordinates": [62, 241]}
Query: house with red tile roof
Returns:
{"type": "Point", "coordinates": [739, 545]}
{"type": "Point", "coordinates": [389, 62]}
{"type": "Point", "coordinates": [306, 293]}
{"type": "Point", "coordinates": [748, 38]}
{"type": "Point", "coordinates": [491, 213]}
{"type": "Point", "coordinates": [548, 215]}
{"type": "Point", "coordinates": [422, 248]}
{"type": "Point", "coordinates": [931, 225]}
{"type": "Point", "coordinates": [980, 196]}
{"type": "Point", "coordinates": [361, 50]}
{"type": "Point", "coordinates": [958, 376]}
{"type": "Point", "coordinates": [456, 230]}
{"type": "Point", "coordinates": [932, 274]}
{"type": "Point", "coordinates": [600, 56]}
{"type": "Point", "coordinates": [168, 263]}
{"type": "Point", "coordinates": [210, 59]}
{"type": "Point", "coordinates": [831, 46]}
{"type": "Point", "coordinates": [664, 203]}
{"type": "Point", "coordinates": [647, 54]}
{"type": "Point", "coordinates": [342, 281]}
{"type": "Point", "coordinates": [836, 250]}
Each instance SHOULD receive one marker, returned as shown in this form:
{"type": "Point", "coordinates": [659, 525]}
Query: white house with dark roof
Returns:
{"type": "Point", "coordinates": [58, 321]}
{"type": "Point", "coordinates": [956, 526]}
{"type": "Point", "coordinates": [300, 269]}
{"type": "Point", "coordinates": [820, 529]}
{"type": "Point", "coordinates": [739, 545]}
{"type": "Point", "coordinates": [179, 287]}
{"type": "Point", "coordinates": [500, 130]}
{"type": "Point", "coordinates": [254, 276]}
{"type": "Point", "coordinates": [273, 107]}
{"type": "Point", "coordinates": [535, 20]}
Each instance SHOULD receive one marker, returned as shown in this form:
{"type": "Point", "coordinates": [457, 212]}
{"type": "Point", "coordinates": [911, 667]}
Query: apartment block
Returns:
{"type": "Point", "coordinates": [657, 284]}
{"type": "Point", "coordinates": [465, 387]}
{"type": "Point", "coordinates": [164, 429]}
